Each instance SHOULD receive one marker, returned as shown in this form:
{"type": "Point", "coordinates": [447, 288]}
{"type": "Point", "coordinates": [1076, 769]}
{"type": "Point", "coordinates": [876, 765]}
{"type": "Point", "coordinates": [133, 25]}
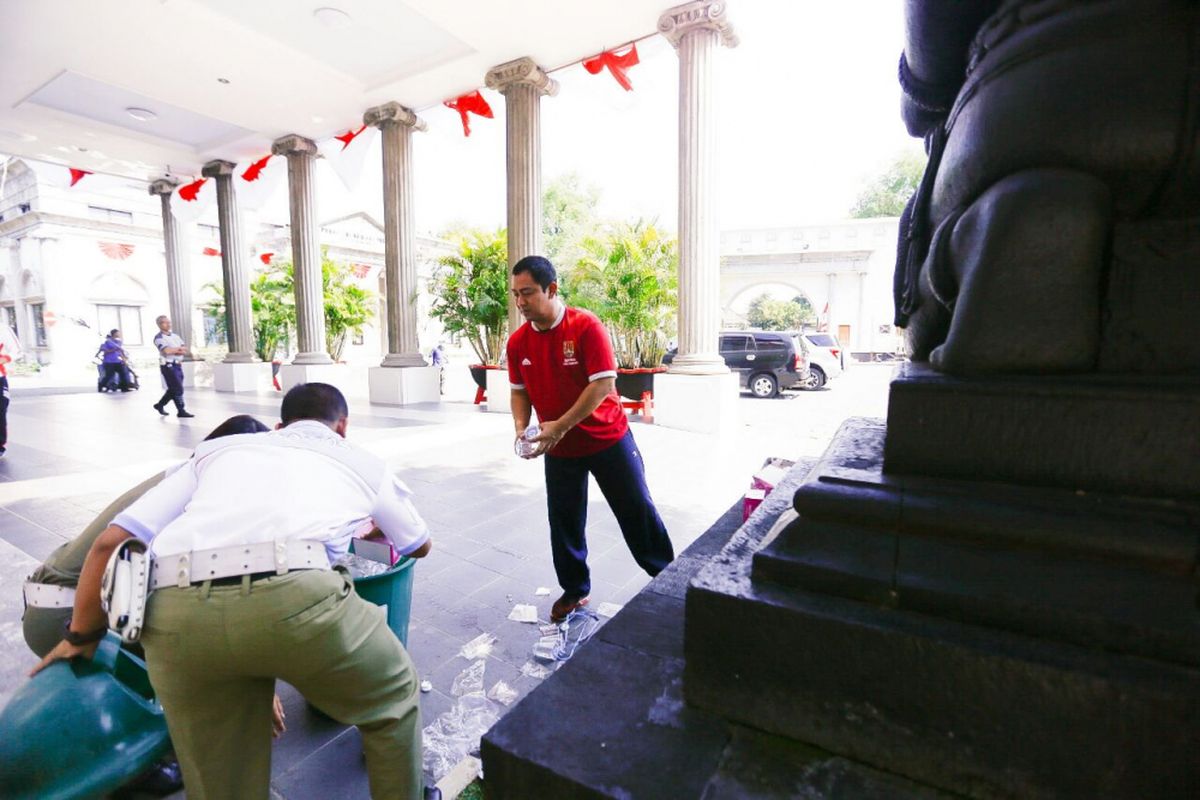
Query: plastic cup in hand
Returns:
{"type": "Point", "coordinates": [525, 446]}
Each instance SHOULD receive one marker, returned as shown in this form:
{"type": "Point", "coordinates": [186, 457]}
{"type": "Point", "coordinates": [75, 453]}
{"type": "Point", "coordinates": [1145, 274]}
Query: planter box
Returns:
{"type": "Point", "coordinates": [633, 383]}
{"type": "Point", "coordinates": [479, 373]}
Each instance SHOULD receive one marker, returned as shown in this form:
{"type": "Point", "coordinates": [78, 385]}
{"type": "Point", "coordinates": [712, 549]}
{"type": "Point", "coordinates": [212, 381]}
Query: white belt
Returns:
{"type": "Point", "coordinates": [226, 562]}
{"type": "Point", "coordinates": [48, 595]}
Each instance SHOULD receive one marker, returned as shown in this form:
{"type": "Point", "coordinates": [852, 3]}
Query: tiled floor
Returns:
{"type": "Point", "coordinates": [70, 454]}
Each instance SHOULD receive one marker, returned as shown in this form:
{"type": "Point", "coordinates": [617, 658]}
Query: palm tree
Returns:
{"type": "Point", "coordinates": [470, 292]}
{"type": "Point", "coordinates": [628, 278]}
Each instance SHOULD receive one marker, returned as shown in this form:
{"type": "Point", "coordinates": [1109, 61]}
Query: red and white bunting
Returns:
{"type": "Point", "coordinates": [191, 200]}
{"type": "Point", "coordinates": [473, 103]}
{"type": "Point", "coordinates": [210, 251]}
{"type": "Point", "coordinates": [266, 258]}
{"type": "Point", "coordinates": [347, 152]}
{"type": "Point", "coordinates": [118, 251]}
{"type": "Point", "coordinates": [617, 65]}
{"type": "Point", "coordinates": [257, 181]}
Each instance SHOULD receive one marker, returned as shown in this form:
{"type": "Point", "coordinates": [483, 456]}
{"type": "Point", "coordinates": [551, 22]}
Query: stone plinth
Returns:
{"type": "Point", "coordinates": [338, 375]}
{"type": "Point", "coordinates": [499, 391]}
{"type": "Point", "coordinates": [230, 376]}
{"type": "Point", "coordinates": [987, 639]}
{"type": "Point", "coordinates": [698, 403]}
{"type": "Point", "coordinates": [402, 386]}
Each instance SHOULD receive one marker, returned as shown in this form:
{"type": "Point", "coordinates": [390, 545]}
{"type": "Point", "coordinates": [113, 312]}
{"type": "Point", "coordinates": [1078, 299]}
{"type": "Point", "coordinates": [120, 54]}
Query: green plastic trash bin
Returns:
{"type": "Point", "coordinates": [81, 729]}
{"type": "Point", "coordinates": [393, 591]}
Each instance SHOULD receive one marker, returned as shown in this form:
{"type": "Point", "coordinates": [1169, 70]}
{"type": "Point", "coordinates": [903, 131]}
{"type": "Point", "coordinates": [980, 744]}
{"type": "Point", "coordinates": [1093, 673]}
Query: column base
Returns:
{"type": "Point", "coordinates": [338, 375]}
{"type": "Point", "coordinates": [240, 358]}
{"type": "Point", "coordinates": [499, 392]}
{"type": "Point", "coordinates": [403, 360]}
{"type": "Point", "coordinates": [698, 403]}
{"type": "Point", "coordinates": [192, 371]}
{"type": "Point", "coordinates": [240, 377]}
{"type": "Point", "coordinates": [402, 386]}
{"type": "Point", "coordinates": [699, 364]}
{"type": "Point", "coordinates": [305, 359]}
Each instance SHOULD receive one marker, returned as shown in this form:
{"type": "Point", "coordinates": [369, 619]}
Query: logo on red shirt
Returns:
{"type": "Point", "coordinates": [569, 359]}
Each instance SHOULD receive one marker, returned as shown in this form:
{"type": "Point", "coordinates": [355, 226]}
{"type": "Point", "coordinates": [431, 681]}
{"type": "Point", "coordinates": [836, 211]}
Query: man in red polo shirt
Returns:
{"type": "Point", "coordinates": [561, 364]}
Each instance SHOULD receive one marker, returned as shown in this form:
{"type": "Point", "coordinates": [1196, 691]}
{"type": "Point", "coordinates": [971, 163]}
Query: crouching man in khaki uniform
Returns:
{"type": "Point", "coordinates": [242, 537]}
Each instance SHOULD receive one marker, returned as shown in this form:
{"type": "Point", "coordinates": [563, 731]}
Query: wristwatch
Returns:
{"type": "Point", "coordinates": [77, 639]}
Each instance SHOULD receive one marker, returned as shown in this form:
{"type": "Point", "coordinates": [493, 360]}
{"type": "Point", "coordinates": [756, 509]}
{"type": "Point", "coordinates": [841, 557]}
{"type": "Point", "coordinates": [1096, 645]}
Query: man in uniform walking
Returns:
{"type": "Point", "coordinates": [242, 538]}
{"type": "Point", "coordinates": [561, 364]}
{"type": "Point", "coordinates": [171, 350]}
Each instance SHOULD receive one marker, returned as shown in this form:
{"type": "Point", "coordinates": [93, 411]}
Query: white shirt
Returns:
{"type": "Point", "coordinates": [164, 340]}
{"type": "Point", "coordinates": [301, 482]}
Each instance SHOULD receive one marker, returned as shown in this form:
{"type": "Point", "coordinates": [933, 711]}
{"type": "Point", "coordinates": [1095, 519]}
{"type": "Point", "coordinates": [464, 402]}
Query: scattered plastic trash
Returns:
{"type": "Point", "coordinates": [525, 445]}
{"type": "Point", "coordinates": [532, 669]}
{"type": "Point", "coordinates": [523, 613]}
{"type": "Point", "coordinates": [455, 734]}
{"type": "Point", "coordinates": [478, 647]}
{"type": "Point", "coordinates": [576, 629]}
{"type": "Point", "coordinates": [548, 629]}
{"type": "Point", "coordinates": [426, 686]}
{"type": "Point", "coordinates": [502, 693]}
{"type": "Point", "coordinates": [541, 591]}
{"type": "Point", "coordinates": [469, 680]}
{"type": "Point", "coordinates": [360, 567]}
{"type": "Point", "coordinates": [608, 609]}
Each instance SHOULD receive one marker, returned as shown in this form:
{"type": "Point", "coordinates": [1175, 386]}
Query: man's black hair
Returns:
{"type": "Point", "coordinates": [318, 401]}
{"type": "Point", "coordinates": [242, 423]}
{"type": "Point", "coordinates": [539, 268]}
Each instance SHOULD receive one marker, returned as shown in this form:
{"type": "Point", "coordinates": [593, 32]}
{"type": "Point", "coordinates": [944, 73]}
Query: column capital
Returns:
{"type": "Point", "coordinates": [677, 22]}
{"type": "Point", "coordinates": [393, 112]}
{"type": "Point", "coordinates": [164, 186]}
{"type": "Point", "coordinates": [523, 70]}
{"type": "Point", "coordinates": [218, 169]}
{"type": "Point", "coordinates": [293, 143]}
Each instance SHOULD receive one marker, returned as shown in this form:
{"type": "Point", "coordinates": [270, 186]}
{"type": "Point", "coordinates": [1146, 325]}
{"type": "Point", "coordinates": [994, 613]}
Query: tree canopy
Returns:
{"type": "Point", "coordinates": [470, 291]}
{"type": "Point", "coordinates": [888, 193]}
{"type": "Point", "coordinates": [771, 314]}
{"type": "Point", "coordinates": [568, 215]}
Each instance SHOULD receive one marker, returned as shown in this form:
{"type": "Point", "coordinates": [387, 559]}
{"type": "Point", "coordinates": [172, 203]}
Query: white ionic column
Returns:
{"type": "Point", "coordinates": [306, 248]}
{"type": "Point", "coordinates": [523, 83]}
{"type": "Point", "coordinates": [403, 377]}
{"type": "Point", "coordinates": [179, 278]}
{"type": "Point", "coordinates": [233, 265]}
{"type": "Point", "coordinates": [699, 393]}
{"type": "Point", "coordinates": [696, 30]}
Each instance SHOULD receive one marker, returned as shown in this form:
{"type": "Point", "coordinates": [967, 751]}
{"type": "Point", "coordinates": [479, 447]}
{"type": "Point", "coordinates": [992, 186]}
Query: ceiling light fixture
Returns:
{"type": "Point", "coordinates": [141, 114]}
{"type": "Point", "coordinates": [332, 18]}
{"type": "Point", "coordinates": [223, 80]}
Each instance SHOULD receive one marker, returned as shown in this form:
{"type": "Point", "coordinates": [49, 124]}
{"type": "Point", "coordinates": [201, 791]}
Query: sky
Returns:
{"type": "Point", "coordinates": [807, 112]}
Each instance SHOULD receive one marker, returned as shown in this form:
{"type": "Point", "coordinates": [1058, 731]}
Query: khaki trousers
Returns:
{"type": "Point", "coordinates": [214, 654]}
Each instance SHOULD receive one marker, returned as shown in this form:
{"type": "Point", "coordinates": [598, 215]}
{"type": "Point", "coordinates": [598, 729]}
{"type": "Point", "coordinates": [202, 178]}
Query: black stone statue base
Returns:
{"type": "Point", "coordinates": [988, 639]}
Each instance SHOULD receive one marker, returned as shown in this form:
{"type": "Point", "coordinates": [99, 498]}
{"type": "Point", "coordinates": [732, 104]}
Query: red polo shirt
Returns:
{"type": "Point", "coordinates": [555, 366]}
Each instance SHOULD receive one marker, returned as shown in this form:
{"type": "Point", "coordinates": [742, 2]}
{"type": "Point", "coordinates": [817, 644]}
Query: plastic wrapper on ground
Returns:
{"type": "Point", "coordinates": [455, 734]}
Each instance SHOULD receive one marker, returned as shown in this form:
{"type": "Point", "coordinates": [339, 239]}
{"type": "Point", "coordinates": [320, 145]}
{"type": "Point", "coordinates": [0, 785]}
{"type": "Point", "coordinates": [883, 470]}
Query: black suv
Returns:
{"type": "Point", "coordinates": [765, 361]}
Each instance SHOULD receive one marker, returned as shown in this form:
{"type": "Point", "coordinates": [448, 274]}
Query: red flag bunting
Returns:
{"type": "Point", "coordinates": [617, 65]}
{"type": "Point", "coordinates": [255, 170]}
{"type": "Point", "coordinates": [360, 270]}
{"type": "Point", "coordinates": [472, 103]}
{"type": "Point", "coordinates": [190, 191]}
{"type": "Point", "coordinates": [348, 137]}
{"type": "Point", "coordinates": [78, 174]}
{"type": "Point", "coordinates": [266, 257]}
{"type": "Point", "coordinates": [211, 251]}
{"type": "Point", "coordinates": [115, 250]}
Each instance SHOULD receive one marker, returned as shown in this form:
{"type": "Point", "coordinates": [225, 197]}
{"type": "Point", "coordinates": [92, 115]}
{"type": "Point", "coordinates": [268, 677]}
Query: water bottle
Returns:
{"type": "Point", "coordinates": [525, 446]}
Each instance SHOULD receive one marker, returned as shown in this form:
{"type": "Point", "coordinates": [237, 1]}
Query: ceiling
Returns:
{"type": "Point", "coordinates": [224, 78]}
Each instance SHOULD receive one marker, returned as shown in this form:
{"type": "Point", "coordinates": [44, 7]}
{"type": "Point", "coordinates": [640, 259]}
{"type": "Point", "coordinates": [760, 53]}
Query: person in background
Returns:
{"type": "Point", "coordinates": [114, 358]}
{"type": "Point", "coordinates": [10, 351]}
{"type": "Point", "coordinates": [439, 359]}
{"type": "Point", "coordinates": [171, 350]}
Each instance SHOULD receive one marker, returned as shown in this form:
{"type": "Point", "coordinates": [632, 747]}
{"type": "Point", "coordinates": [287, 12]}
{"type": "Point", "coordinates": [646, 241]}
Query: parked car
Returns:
{"type": "Point", "coordinates": [825, 358]}
{"type": "Point", "coordinates": [765, 361]}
